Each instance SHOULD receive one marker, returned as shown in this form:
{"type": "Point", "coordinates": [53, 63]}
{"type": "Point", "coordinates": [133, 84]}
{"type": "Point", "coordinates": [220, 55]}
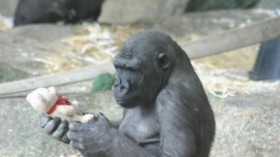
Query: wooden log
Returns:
{"type": "Point", "coordinates": [234, 39]}
{"type": "Point", "coordinates": [77, 75]}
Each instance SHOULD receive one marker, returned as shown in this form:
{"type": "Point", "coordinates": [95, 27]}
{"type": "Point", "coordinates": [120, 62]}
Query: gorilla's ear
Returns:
{"type": "Point", "coordinates": [163, 61]}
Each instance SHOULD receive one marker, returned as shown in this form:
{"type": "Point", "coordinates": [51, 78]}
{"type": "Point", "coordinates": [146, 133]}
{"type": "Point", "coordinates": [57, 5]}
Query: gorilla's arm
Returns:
{"type": "Point", "coordinates": [177, 136]}
{"type": "Point", "coordinates": [102, 139]}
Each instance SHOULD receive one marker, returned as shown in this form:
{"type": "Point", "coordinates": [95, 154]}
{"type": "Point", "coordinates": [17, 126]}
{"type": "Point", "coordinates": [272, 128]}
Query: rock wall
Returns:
{"type": "Point", "coordinates": [7, 7]}
{"type": "Point", "coordinates": [131, 11]}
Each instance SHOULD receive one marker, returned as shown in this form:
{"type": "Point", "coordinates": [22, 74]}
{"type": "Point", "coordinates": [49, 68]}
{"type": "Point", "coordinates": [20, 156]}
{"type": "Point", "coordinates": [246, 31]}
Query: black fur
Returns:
{"type": "Point", "coordinates": [52, 11]}
{"type": "Point", "coordinates": [167, 109]}
{"type": "Point", "coordinates": [167, 113]}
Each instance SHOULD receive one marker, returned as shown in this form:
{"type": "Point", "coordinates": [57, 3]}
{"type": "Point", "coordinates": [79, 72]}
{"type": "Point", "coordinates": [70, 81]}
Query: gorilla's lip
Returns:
{"type": "Point", "coordinates": [119, 101]}
{"type": "Point", "coordinates": [122, 102]}
{"type": "Point", "coordinates": [125, 104]}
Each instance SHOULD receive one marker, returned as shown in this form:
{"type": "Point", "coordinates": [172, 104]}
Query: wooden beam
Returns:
{"type": "Point", "coordinates": [234, 39]}
{"type": "Point", "coordinates": [77, 75]}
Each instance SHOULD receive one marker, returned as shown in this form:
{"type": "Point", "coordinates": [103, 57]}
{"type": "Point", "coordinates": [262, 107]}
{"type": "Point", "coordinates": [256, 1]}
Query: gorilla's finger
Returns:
{"type": "Point", "coordinates": [75, 126]}
{"type": "Point", "coordinates": [51, 126]}
{"type": "Point", "coordinates": [76, 145]}
{"type": "Point", "coordinates": [102, 119]}
{"type": "Point", "coordinates": [65, 139]}
{"type": "Point", "coordinates": [61, 130]}
{"type": "Point", "coordinates": [44, 121]}
{"type": "Point", "coordinates": [100, 114]}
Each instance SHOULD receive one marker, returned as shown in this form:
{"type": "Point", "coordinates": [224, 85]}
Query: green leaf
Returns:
{"type": "Point", "coordinates": [103, 82]}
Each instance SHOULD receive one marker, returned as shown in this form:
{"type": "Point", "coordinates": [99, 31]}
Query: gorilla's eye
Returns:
{"type": "Point", "coordinates": [163, 61]}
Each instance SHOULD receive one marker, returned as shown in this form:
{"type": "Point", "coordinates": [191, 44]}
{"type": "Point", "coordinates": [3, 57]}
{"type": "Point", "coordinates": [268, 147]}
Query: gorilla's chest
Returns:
{"type": "Point", "coordinates": [143, 129]}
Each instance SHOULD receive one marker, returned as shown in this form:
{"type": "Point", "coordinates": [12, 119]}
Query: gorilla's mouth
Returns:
{"type": "Point", "coordinates": [126, 103]}
{"type": "Point", "coordinates": [119, 101]}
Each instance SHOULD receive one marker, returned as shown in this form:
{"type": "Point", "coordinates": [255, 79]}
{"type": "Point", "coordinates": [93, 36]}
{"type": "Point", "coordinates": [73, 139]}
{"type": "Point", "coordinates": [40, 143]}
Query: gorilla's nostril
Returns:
{"type": "Point", "coordinates": [124, 86]}
{"type": "Point", "coordinates": [117, 83]}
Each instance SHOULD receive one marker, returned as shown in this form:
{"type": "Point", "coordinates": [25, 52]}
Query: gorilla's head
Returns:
{"type": "Point", "coordinates": [142, 67]}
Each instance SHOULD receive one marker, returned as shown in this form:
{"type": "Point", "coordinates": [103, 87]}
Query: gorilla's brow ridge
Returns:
{"type": "Point", "coordinates": [125, 54]}
{"type": "Point", "coordinates": [126, 63]}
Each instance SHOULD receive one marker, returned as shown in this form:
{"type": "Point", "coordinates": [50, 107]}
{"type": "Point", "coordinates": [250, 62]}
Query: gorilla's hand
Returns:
{"type": "Point", "coordinates": [56, 128]}
{"type": "Point", "coordinates": [93, 138]}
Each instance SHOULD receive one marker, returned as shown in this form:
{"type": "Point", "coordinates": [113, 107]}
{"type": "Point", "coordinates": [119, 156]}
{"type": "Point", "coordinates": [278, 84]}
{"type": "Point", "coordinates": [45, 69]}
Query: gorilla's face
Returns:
{"type": "Point", "coordinates": [129, 87]}
{"type": "Point", "coordinates": [141, 71]}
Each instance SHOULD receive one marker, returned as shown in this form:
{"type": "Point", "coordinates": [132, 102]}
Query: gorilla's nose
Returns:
{"type": "Point", "coordinates": [117, 83]}
{"type": "Point", "coordinates": [122, 86]}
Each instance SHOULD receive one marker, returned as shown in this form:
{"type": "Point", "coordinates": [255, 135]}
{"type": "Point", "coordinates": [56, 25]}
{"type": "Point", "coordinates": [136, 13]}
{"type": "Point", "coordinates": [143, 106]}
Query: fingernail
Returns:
{"type": "Point", "coordinates": [100, 113]}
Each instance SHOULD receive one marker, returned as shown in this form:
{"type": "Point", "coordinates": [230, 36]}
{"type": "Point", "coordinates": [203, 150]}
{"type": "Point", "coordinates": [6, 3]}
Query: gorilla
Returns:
{"type": "Point", "coordinates": [52, 11]}
{"type": "Point", "coordinates": [206, 5]}
{"type": "Point", "coordinates": [166, 111]}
